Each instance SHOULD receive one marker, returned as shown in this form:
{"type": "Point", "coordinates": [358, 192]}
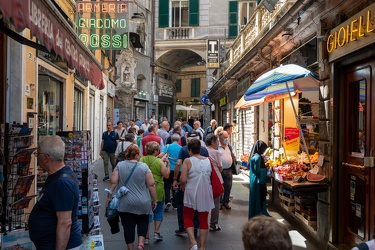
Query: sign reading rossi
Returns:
{"type": "Point", "coordinates": [103, 25]}
{"type": "Point", "coordinates": [54, 33]}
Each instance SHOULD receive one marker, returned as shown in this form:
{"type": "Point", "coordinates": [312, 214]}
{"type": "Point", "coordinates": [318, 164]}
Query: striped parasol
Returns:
{"type": "Point", "coordinates": [272, 85]}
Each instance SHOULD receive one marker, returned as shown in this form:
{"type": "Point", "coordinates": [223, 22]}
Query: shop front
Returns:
{"type": "Point", "coordinates": [350, 47]}
{"type": "Point", "coordinates": [223, 111]}
{"type": "Point", "coordinates": [40, 96]}
{"type": "Point", "coordinates": [165, 102]}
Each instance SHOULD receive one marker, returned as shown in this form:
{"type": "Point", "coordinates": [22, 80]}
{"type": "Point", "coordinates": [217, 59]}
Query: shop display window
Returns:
{"type": "Point", "coordinates": [49, 105]}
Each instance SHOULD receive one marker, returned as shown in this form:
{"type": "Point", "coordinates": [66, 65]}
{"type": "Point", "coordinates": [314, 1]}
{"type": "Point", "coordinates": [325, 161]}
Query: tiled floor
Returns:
{"type": "Point", "coordinates": [231, 222]}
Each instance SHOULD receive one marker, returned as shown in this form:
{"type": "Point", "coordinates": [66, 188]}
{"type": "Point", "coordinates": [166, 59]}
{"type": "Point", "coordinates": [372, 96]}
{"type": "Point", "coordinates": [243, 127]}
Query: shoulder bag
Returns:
{"type": "Point", "coordinates": [217, 187]}
{"type": "Point", "coordinates": [113, 204]}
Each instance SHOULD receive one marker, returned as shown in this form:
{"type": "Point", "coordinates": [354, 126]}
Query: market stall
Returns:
{"type": "Point", "coordinates": [293, 159]}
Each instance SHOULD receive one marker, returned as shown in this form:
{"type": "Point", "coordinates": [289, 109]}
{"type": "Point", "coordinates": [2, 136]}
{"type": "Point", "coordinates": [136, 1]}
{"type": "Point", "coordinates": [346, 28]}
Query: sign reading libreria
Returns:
{"type": "Point", "coordinates": [102, 25]}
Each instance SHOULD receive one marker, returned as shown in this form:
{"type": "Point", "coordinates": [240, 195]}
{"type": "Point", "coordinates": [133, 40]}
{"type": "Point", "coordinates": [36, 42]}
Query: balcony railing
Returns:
{"type": "Point", "coordinates": [185, 33]}
{"type": "Point", "coordinates": [259, 24]}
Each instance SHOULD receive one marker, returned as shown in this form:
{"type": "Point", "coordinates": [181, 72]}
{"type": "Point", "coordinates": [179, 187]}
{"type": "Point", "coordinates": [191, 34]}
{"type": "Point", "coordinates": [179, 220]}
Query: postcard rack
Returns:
{"type": "Point", "coordinates": [16, 176]}
{"type": "Point", "coordinates": [78, 157]}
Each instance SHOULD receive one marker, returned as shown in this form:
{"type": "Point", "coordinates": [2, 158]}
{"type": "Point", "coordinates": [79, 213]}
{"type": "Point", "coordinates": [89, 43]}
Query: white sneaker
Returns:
{"type": "Point", "coordinates": [167, 206]}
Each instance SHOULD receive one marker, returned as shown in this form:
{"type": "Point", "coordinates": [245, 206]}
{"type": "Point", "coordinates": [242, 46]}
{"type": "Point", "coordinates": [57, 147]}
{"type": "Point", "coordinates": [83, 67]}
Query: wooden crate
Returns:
{"type": "Point", "coordinates": [288, 206]}
{"type": "Point", "coordinates": [306, 205]}
{"type": "Point", "coordinates": [287, 197]}
{"type": "Point", "coordinates": [309, 220]}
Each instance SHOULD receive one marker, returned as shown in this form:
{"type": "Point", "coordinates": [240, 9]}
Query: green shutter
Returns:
{"type": "Point", "coordinates": [163, 13]}
{"type": "Point", "coordinates": [233, 19]}
{"type": "Point", "coordinates": [178, 85]}
{"type": "Point", "coordinates": [195, 87]}
{"type": "Point", "coordinates": [193, 12]}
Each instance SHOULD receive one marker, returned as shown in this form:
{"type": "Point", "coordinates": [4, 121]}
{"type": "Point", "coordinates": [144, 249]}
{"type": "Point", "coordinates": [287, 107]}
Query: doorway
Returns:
{"type": "Point", "coordinates": [358, 179]}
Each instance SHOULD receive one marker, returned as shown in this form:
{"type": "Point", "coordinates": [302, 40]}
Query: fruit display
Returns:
{"type": "Point", "coordinates": [315, 177]}
{"type": "Point", "coordinates": [245, 157]}
{"type": "Point", "coordinates": [289, 171]}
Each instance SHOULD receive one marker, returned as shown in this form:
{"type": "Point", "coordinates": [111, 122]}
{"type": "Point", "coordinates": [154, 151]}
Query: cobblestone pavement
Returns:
{"type": "Point", "coordinates": [231, 222]}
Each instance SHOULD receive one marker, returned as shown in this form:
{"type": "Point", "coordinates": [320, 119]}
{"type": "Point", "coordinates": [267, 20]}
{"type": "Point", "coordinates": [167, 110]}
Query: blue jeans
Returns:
{"type": "Point", "coordinates": [228, 179]}
{"type": "Point", "coordinates": [179, 199]}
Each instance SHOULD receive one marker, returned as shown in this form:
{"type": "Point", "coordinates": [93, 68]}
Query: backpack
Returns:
{"type": "Point", "coordinates": [121, 155]}
{"type": "Point", "coordinates": [203, 133]}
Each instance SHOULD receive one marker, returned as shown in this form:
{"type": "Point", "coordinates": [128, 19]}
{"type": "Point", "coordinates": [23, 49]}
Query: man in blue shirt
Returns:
{"type": "Point", "coordinates": [179, 194]}
{"type": "Point", "coordinates": [108, 147]}
{"type": "Point", "coordinates": [53, 222]}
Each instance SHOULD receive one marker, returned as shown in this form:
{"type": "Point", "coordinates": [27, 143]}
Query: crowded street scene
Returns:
{"type": "Point", "coordinates": [187, 124]}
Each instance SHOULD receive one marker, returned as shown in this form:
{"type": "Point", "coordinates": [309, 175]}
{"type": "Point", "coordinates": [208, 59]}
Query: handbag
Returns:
{"type": "Point", "coordinates": [111, 211]}
{"type": "Point", "coordinates": [234, 167]}
{"type": "Point", "coordinates": [217, 187]}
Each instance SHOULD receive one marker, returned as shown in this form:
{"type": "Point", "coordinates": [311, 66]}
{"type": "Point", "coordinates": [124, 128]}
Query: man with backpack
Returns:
{"type": "Point", "coordinates": [199, 130]}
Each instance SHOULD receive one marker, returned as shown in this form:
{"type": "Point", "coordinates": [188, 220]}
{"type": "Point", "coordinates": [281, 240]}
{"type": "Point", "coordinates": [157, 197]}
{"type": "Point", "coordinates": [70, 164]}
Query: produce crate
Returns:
{"type": "Point", "coordinates": [306, 205]}
{"type": "Point", "coordinates": [309, 220]}
{"type": "Point", "coordinates": [287, 197]}
{"type": "Point", "coordinates": [288, 206]}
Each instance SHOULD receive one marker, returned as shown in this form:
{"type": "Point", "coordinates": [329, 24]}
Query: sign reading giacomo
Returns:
{"type": "Point", "coordinates": [103, 25]}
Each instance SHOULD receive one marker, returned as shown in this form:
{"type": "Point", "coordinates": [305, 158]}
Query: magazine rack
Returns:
{"type": "Point", "coordinates": [16, 176]}
{"type": "Point", "coordinates": [78, 157]}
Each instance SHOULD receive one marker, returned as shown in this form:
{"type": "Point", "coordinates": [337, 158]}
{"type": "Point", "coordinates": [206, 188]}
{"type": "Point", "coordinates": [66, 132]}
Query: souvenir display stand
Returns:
{"type": "Point", "coordinates": [78, 157]}
{"type": "Point", "coordinates": [16, 180]}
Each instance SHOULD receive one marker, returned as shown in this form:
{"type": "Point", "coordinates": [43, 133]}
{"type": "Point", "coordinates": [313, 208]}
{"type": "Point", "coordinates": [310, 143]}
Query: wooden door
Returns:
{"type": "Point", "coordinates": [359, 126]}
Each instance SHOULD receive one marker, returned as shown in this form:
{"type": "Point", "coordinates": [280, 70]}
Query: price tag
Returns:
{"type": "Point", "coordinates": [320, 160]}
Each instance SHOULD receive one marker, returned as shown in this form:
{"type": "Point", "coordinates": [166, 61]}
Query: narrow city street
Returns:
{"type": "Point", "coordinates": [231, 222]}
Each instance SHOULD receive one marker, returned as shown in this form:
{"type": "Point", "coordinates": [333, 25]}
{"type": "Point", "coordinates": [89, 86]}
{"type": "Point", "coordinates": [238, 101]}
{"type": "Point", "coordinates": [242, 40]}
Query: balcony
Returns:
{"type": "Point", "coordinates": [189, 33]}
{"type": "Point", "coordinates": [257, 27]}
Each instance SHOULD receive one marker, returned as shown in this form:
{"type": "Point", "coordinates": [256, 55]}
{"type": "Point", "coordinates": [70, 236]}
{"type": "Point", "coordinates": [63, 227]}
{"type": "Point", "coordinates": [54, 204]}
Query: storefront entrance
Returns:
{"type": "Point", "coordinates": [358, 177]}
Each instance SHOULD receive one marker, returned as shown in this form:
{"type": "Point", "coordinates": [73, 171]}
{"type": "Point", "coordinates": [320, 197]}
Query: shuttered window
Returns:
{"type": "Point", "coordinates": [178, 85]}
{"type": "Point", "coordinates": [194, 13]}
{"type": "Point", "coordinates": [233, 19]}
{"type": "Point", "coordinates": [163, 13]}
{"type": "Point", "coordinates": [195, 87]}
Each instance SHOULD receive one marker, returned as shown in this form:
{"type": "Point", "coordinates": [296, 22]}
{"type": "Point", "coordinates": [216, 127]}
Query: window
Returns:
{"type": "Point", "coordinates": [180, 13]}
{"type": "Point", "coordinates": [49, 102]}
{"type": "Point", "coordinates": [195, 87]}
{"type": "Point", "coordinates": [246, 10]}
{"type": "Point", "coordinates": [233, 15]}
{"type": "Point", "coordinates": [78, 110]}
{"type": "Point", "coordinates": [178, 85]}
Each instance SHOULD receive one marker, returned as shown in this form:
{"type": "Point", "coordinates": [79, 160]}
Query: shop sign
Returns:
{"type": "Point", "coordinates": [103, 25]}
{"type": "Point", "coordinates": [193, 102]}
{"type": "Point", "coordinates": [353, 34]}
{"type": "Point", "coordinates": [54, 33]}
{"type": "Point", "coordinates": [223, 101]}
{"type": "Point", "coordinates": [213, 54]}
{"type": "Point", "coordinates": [111, 89]}
{"type": "Point", "coordinates": [291, 142]}
{"type": "Point", "coordinates": [166, 91]}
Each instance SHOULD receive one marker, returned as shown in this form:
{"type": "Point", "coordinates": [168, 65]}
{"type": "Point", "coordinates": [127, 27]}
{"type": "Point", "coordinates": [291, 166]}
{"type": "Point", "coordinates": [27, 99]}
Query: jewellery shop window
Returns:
{"type": "Point", "coordinates": [49, 106]}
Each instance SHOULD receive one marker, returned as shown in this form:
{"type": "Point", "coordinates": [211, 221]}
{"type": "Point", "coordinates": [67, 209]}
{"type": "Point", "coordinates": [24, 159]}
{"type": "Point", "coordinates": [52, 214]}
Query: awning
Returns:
{"type": "Point", "coordinates": [49, 26]}
{"type": "Point", "coordinates": [274, 82]}
{"type": "Point", "coordinates": [242, 104]}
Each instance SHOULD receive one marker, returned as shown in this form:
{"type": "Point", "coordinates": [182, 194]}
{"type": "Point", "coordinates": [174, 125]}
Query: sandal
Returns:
{"type": "Point", "coordinates": [140, 247]}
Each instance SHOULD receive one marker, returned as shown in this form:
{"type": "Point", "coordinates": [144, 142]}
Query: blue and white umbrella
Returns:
{"type": "Point", "coordinates": [274, 82]}
{"type": "Point", "coordinates": [283, 81]}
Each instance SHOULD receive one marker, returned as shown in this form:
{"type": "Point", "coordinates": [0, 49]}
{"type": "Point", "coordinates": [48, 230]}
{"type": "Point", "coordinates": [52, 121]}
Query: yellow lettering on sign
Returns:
{"type": "Point", "coordinates": [357, 28]}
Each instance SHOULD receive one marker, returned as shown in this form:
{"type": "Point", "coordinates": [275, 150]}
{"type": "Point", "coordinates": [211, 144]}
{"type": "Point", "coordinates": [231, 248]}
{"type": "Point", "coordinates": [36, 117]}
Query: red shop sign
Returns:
{"type": "Point", "coordinates": [49, 26]}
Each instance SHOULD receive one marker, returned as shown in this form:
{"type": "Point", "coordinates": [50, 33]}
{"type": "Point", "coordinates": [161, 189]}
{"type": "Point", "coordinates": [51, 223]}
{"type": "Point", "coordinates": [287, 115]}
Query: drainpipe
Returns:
{"type": "Point", "coordinates": [154, 84]}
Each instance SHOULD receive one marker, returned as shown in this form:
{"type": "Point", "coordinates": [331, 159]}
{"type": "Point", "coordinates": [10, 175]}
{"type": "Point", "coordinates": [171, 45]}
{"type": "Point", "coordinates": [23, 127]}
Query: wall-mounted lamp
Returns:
{"type": "Point", "coordinates": [138, 18]}
{"type": "Point", "coordinates": [109, 70]}
{"type": "Point", "coordinates": [73, 71]}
